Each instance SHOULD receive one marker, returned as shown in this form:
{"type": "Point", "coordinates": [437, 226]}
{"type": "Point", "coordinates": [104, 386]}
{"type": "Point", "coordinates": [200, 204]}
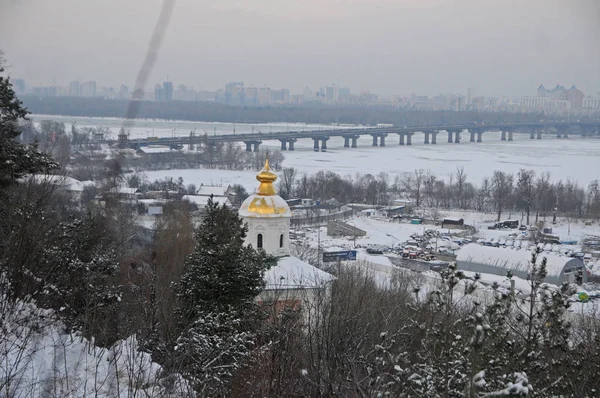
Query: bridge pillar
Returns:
{"type": "Point", "coordinates": [382, 139]}
{"type": "Point", "coordinates": [315, 144]}
{"type": "Point", "coordinates": [457, 137]}
{"type": "Point", "coordinates": [283, 145]}
{"type": "Point", "coordinates": [256, 144]}
{"type": "Point", "coordinates": [479, 134]}
{"type": "Point", "coordinates": [532, 135]}
{"type": "Point", "coordinates": [503, 136]}
{"type": "Point", "coordinates": [434, 137]}
{"type": "Point", "coordinates": [354, 139]}
{"type": "Point", "coordinates": [324, 144]}
{"type": "Point", "coordinates": [539, 134]}
{"type": "Point", "coordinates": [449, 137]}
{"type": "Point", "coordinates": [401, 138]}
{"type": "Point", "coordinates": [558, 134]}
{"type": "Point", "coordinates": [346, 142]}
{"type": "Point", "coordinates": [409, 139]}
{"type": "Point", "coordinates": [374, 140]}
{"type": "Point", "coordinates": [248, 146]}
{"type": "Point", "coordinates": [510, 135]}
{"type": "Point", "coordinates": [472, 136]}
{"type": "Point", "coordinates": [426, 139]}
{"type": "Point", "coordinates": [291, 145]}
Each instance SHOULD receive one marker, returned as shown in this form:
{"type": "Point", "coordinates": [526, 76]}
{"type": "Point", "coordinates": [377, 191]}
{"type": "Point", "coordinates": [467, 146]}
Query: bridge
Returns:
{"type": "Point", "coordinates": [455, 133]}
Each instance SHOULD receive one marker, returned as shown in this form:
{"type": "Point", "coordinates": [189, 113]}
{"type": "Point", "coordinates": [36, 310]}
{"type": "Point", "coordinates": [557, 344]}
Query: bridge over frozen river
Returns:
{"type": "Point", "coordinates": [378, 135]}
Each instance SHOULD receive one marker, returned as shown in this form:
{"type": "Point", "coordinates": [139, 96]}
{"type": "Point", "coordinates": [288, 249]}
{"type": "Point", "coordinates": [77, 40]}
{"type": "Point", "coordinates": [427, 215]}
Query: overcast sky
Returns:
{"type": "Point", "coordinates": [496, 47]}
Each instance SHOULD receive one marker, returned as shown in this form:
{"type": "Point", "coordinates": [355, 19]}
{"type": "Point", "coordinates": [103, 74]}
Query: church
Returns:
{"type": "Point", "coordinates": [268, 216]}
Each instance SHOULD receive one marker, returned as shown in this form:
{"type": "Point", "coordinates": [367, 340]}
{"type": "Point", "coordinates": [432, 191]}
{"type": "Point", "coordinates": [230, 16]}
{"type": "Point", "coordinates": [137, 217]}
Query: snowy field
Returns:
{"type": "Point", "coordinates": [574, 158]}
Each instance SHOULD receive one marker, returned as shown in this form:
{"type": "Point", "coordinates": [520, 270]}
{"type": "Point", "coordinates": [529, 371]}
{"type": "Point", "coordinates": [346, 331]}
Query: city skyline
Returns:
{"type": "Point", "coordinates": [501, 48]}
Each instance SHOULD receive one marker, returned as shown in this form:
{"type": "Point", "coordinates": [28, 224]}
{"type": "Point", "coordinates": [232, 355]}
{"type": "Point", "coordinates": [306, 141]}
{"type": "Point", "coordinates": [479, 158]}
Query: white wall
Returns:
{"type": "Point", "coordinates": [271, 230]}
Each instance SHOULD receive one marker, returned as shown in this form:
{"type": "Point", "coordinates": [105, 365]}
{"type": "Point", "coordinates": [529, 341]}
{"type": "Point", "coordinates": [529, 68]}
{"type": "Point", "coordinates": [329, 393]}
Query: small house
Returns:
{"type": "Point", "coordinates": [453, 223]}
{"type": "Point", "coordinates": [202, 201]}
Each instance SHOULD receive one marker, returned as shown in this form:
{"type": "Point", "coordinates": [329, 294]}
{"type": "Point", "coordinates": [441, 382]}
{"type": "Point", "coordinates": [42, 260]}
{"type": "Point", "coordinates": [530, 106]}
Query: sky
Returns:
{"type": "Point", "coordinates": [389, 47]}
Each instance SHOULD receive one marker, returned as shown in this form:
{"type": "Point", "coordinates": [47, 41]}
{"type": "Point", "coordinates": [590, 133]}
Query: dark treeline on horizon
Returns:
{"type": "Point", "coordinates": [308, 113]}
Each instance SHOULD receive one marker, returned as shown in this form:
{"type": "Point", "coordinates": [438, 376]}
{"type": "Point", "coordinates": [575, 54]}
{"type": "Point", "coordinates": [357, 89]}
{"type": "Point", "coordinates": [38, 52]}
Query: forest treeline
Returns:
{"type": "Point", "coordinates": [216, 112]}
{"type": "Point", "coordinates": [523, 193]}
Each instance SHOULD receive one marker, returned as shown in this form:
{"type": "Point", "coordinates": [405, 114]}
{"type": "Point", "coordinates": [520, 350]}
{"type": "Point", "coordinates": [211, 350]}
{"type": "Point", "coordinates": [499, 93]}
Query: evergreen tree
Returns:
{"type": "Point", "coordinates": [222, 271]}
{"type": "Point", "coordinates": [16, 159]}
{"type": "Point", "coordinates": [217, 302]}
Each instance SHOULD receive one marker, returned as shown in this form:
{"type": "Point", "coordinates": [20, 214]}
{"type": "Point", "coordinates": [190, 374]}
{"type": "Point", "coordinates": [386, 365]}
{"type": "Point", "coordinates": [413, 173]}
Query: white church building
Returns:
{"type": "Point", "coordinates": [268, 215]}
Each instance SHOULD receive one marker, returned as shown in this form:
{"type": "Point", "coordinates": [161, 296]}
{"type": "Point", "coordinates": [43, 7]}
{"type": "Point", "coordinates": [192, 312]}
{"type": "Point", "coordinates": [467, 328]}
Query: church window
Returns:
{"type": "Point", "coordinates": [281, 240]}
{"type": "Point", "coordinates": [259, 241]}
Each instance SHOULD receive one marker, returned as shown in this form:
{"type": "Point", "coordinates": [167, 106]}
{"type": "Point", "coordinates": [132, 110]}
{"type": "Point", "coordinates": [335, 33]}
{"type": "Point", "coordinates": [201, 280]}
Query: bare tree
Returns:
{"type": "Point", "coordinates": [461, 179]}
{"type": "Point", "coordinates": [287, 181]}
{"type": "Point", "coordinates": [502, 185]}
{"type": "Point", "coordinates": [413, 184]}
{"type": "Point", "coordinates": [526, 190]}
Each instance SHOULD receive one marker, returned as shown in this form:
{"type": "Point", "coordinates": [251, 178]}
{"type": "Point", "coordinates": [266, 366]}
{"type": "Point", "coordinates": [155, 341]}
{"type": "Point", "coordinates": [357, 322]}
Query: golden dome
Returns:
{"type": "Point", "coordinates": [266, 179]}
{"type": "Point", "coordinates": [265, 203]}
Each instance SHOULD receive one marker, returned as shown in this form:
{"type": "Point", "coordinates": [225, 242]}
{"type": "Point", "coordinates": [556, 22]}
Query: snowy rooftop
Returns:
{"type": "Point", "coordinates": [293, 273]}
{"type": "Point", "coordinates": [518, 260]}
{"type": "Point", "coordinates": [207, 190]}
{"type": "Point", "coordinates": [66, 183]}
{"type": "Point", "coordinates": [202, 201]}
{"type": "Point", "coordinates": [124, 190]}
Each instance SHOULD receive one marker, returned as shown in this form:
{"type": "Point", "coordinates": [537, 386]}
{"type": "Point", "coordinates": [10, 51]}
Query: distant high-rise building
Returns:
{"type": "Point", "coordinates": [74, 89]}
{"type": "Point", "coordinates": [477, 103]}
{"type": "Point", "coordinates": [167, 91]}
{"type": "Point", "coordinates": [232, 87]}
{"type": "Point", "coordinates": [159, 95]}
{"type": "Point", "coordinates": [88, 89]}
{"type": "Point", "coordinates": [343, 92]}
{"type": "Point", "coordinates": [557, 93]}
{"type": "Point", "coordinates": [575, 97]}
{"type": "Point", "coordinates": [591, 102]}
{"type": "Point", "coordinates": [264, 95]}
{"type": "Point", "coordinates": [123, 92]}
{"type": "Point", "coordinates": [251, 92]}
{"type": "Point", "coordinates": [19, 85]}
{"type": "Point", "coordinates": [308, 94]}
{"type": "Point", "coordinates": [468, 96]}
{"type": "Point", "coordinates": [48, 91]}
{"type": "Point", "coordinates": [331, 93]}
{"type": "Point", "coordinates": [281, 96]}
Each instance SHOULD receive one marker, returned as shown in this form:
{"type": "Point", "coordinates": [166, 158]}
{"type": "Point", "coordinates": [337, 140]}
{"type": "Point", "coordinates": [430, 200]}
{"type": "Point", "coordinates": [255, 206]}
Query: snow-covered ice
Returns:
{"type": "Point", "coordinates": [574, 158]}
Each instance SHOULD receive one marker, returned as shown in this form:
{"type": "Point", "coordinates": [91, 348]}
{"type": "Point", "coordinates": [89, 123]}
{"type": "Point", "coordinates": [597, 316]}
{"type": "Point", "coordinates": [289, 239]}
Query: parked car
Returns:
{"type": "Point", "coordinates": [370, 250]}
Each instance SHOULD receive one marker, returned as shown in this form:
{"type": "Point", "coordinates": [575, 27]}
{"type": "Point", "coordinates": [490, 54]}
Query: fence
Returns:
{"type": "Point", "coordinates": [321, 218]}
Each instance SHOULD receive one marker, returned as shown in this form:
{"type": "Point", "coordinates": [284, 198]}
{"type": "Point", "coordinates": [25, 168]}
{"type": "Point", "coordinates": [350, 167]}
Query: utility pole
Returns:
{"type": "Point", "coordinates": [319, 245]}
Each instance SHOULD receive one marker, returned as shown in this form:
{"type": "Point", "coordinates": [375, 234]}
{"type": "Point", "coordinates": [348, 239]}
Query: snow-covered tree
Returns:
{"type": "Point", "coordinates": [218, 314]}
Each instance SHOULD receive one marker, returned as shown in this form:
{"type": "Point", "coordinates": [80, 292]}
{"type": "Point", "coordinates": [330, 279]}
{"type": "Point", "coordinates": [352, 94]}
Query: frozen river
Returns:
{"type": "Point", "coordinates": [574, 158]}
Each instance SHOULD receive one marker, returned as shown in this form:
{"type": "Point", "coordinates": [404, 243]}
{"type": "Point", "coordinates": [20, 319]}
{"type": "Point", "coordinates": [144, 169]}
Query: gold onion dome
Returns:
{"type": "Point", "coordinates": [266, 179]}
{"type": "Point", "coordinates": [265, 203]}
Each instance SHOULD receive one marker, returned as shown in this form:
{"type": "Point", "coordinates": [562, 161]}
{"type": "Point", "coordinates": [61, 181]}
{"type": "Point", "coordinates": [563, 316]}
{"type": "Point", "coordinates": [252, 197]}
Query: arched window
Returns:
{"type": "Point", "coordinates": [259, 241]}
{"type": "Point", "coordinates": [281, 240]}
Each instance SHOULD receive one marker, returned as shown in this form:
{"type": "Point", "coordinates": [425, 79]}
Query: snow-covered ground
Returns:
{"type": "Point", "coordinates": [40, 360]}
{"type": "Point", "coordinates": [381, 232]}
